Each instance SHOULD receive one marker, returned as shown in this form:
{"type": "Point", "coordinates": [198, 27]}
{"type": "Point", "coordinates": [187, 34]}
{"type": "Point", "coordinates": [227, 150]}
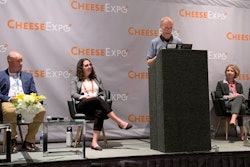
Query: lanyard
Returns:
{"type": "Point", "coordinates": [86, 88]}
{"type": "Point", "coordinates": [17, 81]}
{"type": "Point", "coordinates": [18, 85]}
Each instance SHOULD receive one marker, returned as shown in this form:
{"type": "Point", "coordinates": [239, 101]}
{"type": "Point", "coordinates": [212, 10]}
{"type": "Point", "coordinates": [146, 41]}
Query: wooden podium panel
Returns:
{"type": "Point", "coordinates": [179, 101]}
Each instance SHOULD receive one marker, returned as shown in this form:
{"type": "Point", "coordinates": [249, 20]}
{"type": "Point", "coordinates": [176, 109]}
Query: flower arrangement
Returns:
{"type": "Point", "coordinates": [28, 103]}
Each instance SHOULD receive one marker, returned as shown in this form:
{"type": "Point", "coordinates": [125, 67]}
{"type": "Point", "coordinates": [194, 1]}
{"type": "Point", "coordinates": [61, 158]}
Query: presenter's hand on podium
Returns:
{"type": "Point", "coordinates": [150, 61]}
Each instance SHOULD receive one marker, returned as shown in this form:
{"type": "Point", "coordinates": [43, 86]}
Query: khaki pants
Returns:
{"type": "Point", "coordinates": [9, 115]}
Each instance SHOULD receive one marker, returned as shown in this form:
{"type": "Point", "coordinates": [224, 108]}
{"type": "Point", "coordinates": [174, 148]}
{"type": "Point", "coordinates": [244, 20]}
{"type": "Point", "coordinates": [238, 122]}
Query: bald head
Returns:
{"type": "Point", "coordinates": [15, 61]}
{"type": "Point", "coordinates": [13, 55]}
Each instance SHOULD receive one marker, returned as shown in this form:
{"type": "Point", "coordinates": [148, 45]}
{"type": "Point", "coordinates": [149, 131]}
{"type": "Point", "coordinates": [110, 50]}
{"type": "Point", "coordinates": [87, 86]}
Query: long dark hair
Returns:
{"type": "Point", "coordinates": [79, 70]}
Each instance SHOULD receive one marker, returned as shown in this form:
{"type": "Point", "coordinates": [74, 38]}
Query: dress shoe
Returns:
{"type": "Point", "coordinates": [14, 148]}
{"type": "Point", "coordinates": [127, 127]}
{"type": "Point", "coordinates": [30, 147]}
{"type": "Point", "coordinates": [97, 148]}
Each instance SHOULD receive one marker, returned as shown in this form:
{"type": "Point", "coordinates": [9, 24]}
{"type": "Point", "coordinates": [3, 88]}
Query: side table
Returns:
{"type": "Point", "coordinates": [6, 142]}
{"type": "Point", "coordinates": [46, 124]}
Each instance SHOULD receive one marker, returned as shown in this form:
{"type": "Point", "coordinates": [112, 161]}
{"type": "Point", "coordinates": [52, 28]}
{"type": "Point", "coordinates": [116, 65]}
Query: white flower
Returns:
{"type": "Point", "coordinates": [29, 103]}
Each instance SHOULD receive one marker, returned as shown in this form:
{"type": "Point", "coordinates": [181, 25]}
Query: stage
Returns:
{"type": "Point", "coordinates": [136, 152]}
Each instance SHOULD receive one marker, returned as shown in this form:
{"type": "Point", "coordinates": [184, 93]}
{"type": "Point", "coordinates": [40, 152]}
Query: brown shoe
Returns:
{"type": "Point", "coordinates": [14, 148]}
{"type": "Point", "coordinates": [30, 147]}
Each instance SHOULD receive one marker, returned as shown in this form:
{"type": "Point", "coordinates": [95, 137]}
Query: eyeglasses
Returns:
{"type": "Point", "coordinates": [167, 28]}
{"type": "Point", "coordinates": [87, 65]}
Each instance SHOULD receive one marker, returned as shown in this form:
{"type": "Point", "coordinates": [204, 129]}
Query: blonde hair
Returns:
{"type": "Point", "coordinates": [235, 68]}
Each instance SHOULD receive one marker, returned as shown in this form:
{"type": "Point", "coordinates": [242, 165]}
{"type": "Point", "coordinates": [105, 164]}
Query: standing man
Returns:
{"type": "Point", "coordinates": [14, 81]}
{"type": "Point", "coordinates": [161, 41]}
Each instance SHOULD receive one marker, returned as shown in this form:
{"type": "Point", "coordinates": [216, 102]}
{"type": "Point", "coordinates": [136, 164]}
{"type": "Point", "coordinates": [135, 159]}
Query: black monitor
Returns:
{"type": "Point", "coordinates": [179, 46]}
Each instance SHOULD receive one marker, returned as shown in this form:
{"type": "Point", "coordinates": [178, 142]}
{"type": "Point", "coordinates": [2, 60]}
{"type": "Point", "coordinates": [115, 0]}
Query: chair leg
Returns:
{"type": "Point", "coordinates": [78, 134]}
{"type": "Point", "coordinates": [227, 127]}
{"type": "Point", "coordinates": [20, 132]}
{"type": "Point", "coordinates": [104, 138]}
{"type": "Point", "coordinates": [217, 128]}
{"type": "Point", "coordinates": [227, 121]}
{"type": "Point", "coordinates": [4, 140]}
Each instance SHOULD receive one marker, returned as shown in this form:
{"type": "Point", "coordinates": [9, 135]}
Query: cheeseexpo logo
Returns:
{"type": "Point", "coordinates": [49, 73]}
{"type": "Point", "coordinates": [197, 14]}
{"type": "Point", "coordinates": [112, 52]}
{"type": "Point", "coordinates": [3, 47]}
{"type": "Point", "coordinates": [238, 36]}
{"type": "Point", "coordinates": [96, 7]}
{"type": "Point", "coordinates": [38, 26]}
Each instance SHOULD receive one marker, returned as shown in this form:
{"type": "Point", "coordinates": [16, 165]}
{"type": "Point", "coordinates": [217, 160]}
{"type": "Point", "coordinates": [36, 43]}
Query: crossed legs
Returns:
{"type": "Point", "coordinates": [236, 106]}
{"type": "Point", "coordinates": [122, 124]}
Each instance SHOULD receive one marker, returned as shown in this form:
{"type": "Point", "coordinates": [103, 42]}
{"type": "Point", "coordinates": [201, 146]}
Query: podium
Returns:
{"type": "Point", "coordinates": [179, 101]}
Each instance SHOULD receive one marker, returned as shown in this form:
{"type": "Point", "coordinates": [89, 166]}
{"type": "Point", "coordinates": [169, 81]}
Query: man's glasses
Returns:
{"type": "Point", "coordinates": [87, 65]}
{"type": "Point", "coordinates": [167, 28]}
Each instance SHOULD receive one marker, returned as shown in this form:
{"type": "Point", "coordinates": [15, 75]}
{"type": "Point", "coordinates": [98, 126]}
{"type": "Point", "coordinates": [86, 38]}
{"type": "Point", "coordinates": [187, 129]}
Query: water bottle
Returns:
{"type": "Point", "coordinates": [8, 146]}
{"type": "Point", "coordinates": [69, 141]}
{"type": "Point", "coordinates": [41, 140]}
{"type": "Point", "coordinates": [212, 131]}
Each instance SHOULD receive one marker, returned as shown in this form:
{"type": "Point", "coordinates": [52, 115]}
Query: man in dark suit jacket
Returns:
{"type": "Point", "coordinates": [14, 81]}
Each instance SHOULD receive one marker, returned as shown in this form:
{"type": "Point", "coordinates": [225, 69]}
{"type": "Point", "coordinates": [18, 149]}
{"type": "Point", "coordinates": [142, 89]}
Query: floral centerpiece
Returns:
{"type": "Point", "coordinates": [28, 105]}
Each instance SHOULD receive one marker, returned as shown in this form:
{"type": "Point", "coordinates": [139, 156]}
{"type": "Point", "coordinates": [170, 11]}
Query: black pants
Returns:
{"type": "Point", "coordinates": [95, 108]}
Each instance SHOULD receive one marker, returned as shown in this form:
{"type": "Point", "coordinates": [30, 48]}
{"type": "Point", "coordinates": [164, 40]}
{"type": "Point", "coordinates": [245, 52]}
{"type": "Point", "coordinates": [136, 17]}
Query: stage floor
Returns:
{"type": "Point", "coordinates": [116, 148]}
